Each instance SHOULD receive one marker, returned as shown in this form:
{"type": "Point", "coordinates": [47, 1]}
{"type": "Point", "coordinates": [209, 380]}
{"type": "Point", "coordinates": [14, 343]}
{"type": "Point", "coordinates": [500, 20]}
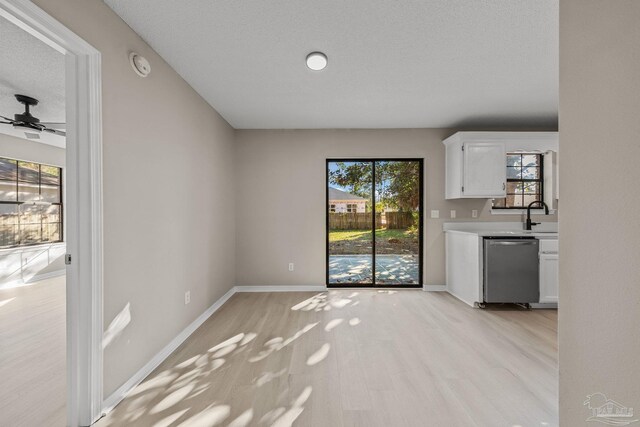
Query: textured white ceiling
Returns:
{"type": "Point", "coordinates": [30, 67]}
{"type": "Point", "coordinates": [410, 63]}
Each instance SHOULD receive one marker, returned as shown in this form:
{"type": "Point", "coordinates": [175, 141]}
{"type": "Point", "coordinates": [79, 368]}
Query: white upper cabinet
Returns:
{"type": "Point", "coordinates": [558, 175]}
{"type": "Point", "coordinates": [475, 168]}
{"type": "Point", "coordinates": [484, 169]}
{"type": "Point", "coordinates": [551, 178]}
{"type": "Point", "coordinates": [476, 162]}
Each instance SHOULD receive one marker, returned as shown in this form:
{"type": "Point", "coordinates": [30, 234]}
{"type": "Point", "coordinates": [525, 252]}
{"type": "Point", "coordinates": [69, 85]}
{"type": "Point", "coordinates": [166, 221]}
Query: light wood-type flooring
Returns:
{"type": "Point", "coordinates": [355, 358]}
{"type": "Point", "coordinates": [33, 354]}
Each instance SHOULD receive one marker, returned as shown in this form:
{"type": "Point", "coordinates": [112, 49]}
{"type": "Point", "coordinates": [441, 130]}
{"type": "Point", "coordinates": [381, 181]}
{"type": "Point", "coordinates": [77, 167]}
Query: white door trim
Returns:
{"type": "Point", "coordinates": [84, 206]}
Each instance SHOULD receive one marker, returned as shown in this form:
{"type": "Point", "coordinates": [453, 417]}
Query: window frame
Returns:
{"type": "Point", "coordinates": [18, 203]}
{"type": "Point", "coordinates": [539, 180]}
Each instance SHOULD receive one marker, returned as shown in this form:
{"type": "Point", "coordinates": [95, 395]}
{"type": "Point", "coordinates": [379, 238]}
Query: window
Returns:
{"type": "Point", "coordinates": [30, 203]}
{"type": "Point", "coordinates": [524, 181]}
{"type": "Point", "coordinates": [352, 208]}
{"type": "Point", "coordinates": [332, 208]}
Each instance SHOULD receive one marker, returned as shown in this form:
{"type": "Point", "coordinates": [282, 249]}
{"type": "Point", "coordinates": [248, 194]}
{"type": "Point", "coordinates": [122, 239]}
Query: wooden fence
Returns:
{"type": "Point", "coordinates": [353, 221]}
{"type": "Point", "coordinates": [399, 220]}
{"type": "Point", "coordinates": [362, 221]}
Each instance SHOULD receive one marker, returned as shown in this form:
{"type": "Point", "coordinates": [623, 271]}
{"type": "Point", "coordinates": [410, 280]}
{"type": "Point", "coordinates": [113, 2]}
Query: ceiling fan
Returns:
{"type": "Point", "coordinates": [29, 122]}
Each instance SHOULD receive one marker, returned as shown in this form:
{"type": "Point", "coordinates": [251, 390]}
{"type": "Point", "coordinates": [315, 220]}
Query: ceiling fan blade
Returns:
{"type": "Point", "coordinates": [7, 118]}
{"type": "Point", "coordinates": [30, 126]}
{"type": "Point", "coordinates": [55, 131]}
{"type": "Point", "coordinates": [6, 123]}
{"type": "Point", "coordinates": [54, 125]}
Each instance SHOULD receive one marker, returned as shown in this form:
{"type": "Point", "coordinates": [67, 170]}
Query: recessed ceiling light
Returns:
{"type": "Point", "coordinates": [316, 61]}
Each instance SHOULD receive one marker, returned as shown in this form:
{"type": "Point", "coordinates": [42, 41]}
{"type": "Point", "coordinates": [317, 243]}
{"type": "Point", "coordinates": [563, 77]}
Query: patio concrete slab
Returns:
{"type": "Point", "coordinates": [390, 269]}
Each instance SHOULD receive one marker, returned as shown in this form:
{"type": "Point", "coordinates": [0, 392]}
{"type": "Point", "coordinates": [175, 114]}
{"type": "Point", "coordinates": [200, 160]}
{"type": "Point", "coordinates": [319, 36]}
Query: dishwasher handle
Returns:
{"type": "Point", "coordinates": [523, 243]}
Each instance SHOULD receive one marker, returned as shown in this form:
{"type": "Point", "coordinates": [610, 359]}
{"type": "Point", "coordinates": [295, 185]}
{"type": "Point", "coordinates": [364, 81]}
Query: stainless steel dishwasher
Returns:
{"type": "Point", "coordinates": [511, 272]}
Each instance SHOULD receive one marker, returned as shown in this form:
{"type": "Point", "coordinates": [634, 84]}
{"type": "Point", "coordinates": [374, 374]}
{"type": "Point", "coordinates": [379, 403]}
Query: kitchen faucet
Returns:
{"type": "Point", "coordinates": [529, 223]}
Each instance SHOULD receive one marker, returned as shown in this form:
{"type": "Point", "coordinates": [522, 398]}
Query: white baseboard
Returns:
{"type": "Point", "coordinates": [284, 288]}
{"type": "Point", "coordinates": [434, 288]}
{"type": "Point", "coordinates": [118, 395]}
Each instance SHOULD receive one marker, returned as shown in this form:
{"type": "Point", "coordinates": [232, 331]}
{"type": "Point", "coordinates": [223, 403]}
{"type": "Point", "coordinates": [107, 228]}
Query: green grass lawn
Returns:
{"type": "Point", "coordinates": [381, 233]}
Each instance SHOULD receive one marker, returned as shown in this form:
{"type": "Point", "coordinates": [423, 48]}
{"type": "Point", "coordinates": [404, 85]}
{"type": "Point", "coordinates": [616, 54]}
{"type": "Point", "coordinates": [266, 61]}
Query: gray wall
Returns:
{"type": "Point", "coordinates": [160, 140]}
{"type": "Point", "coordinates": [600, 245]}
{"type": "Point", "coordinates": [280, 177]}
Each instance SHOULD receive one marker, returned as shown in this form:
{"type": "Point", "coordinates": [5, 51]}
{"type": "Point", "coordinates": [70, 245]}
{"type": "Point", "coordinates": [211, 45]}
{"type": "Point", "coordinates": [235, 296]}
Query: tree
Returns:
{"type": "Point", "coordinates": [397, 182]}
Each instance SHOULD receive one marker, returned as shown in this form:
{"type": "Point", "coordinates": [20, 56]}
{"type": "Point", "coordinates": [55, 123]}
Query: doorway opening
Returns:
{"type": "Point", "coordinates": [32, 227]}
{"type": "Point", "coordinates": [82, 195]}
{"type": "Point", "coordinates": [374, 223]}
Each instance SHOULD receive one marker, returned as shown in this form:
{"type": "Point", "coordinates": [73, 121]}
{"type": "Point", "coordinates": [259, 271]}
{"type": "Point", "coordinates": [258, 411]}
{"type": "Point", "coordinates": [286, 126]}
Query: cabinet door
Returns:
{"type": "Point", "coordinates": [549, 278]}
{"type": "Point", "coordinates": [485, 169]}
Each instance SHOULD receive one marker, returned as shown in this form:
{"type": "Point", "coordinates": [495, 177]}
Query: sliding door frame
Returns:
{"type": "Point", "coordinates": [373, 283]}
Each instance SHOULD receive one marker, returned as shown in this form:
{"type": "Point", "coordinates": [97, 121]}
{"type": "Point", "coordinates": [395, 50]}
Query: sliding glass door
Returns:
{"type": "Point", "coordinates": [374, 222]}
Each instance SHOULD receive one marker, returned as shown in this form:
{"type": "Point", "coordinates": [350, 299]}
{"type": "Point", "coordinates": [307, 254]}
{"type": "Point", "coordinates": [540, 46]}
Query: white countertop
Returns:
{"type": "Point", "coordinates": [546, 230]}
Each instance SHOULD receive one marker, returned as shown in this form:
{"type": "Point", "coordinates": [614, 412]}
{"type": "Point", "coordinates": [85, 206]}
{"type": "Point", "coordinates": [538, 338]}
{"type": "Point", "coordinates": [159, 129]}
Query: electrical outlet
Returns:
{"type": "Point", "coordinates": [291, 266]}
{"type": "Point", "coordinates": [187, 297]}
{"type": "Point", "coordinates": [453, 213]}
{"type": "Point", "coordinates": [435, 214]}
{"type": "Point", "coordinates": [474, 213]}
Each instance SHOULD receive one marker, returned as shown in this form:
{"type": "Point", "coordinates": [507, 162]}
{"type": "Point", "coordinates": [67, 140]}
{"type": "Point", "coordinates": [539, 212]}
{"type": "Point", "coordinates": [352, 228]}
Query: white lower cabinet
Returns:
{"type": "Point", "coordinates": [549, 271]}
{"type": "Point", "coordinates": [464, 267]}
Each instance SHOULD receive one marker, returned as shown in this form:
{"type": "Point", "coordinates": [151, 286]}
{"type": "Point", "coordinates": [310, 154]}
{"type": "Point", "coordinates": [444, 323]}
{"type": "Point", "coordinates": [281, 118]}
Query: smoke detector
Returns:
{"type": "Point", "coordinates": [139, 64]}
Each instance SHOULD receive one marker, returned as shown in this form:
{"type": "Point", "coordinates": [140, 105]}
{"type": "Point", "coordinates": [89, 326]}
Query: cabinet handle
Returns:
{"type": "Point", "coordinates": [504, 186]}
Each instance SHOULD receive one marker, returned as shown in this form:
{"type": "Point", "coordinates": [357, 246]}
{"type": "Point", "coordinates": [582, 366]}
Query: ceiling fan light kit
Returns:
{"type": "Point", "coordinates": [26, 117]}
{"type": "Point", "coordinates": [139, 64]}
